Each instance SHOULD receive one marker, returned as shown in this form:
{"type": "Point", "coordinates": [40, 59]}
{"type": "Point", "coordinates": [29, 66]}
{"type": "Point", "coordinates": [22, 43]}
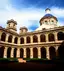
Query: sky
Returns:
{"type": "Point", "coordinates": [28, 12]}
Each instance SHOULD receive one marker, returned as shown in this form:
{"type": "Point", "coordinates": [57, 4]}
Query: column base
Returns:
{"type": "Point", "coordinates": [31, 56]}
{"type": "Point", "coordinates": [5, 56]}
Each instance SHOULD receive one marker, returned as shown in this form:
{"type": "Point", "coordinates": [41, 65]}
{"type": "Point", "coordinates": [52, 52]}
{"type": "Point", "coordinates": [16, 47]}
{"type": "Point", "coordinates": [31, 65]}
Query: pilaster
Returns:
{"type": "Point", "coordinates": [24, 52]}
{"type": "Point", "coordinates": [5, 52]}
{"type": "Point", "coordinates": [31, 52]}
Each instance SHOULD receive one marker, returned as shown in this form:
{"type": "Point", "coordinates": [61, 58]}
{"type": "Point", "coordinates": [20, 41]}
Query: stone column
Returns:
{"type": "Point", "coordinates": [56, 49]}
{"type": "Point", "coordinates": [24, 39]}
{"type": "Point", "coordinates": [7, 35]}
{"type": "Point", "coordinates": [39, 52]}
{"type": "Point", "coordinates": [12, 52]}
{"type": "Point", "coordinates": [31, 37]}
{"type": "Point", "coordinates": [13, 39]}
{"type": "Point", "coordinates": [46, 37]}
{"type": "Point", "coordinates": [38, 38]}
{"type": "Point", "coordinates": [47, 53]}
{"type": "Point", "coordinates": [24, 52]}
{"type": "Point", "coordinates": [31, 52]}
{"type": "Point", "coordinates": [0, 35]}
{"type": "Point", "coordinates": [5, 52]}
{"type": "Point", "coordinates": [55, 35]}
{"type": "Point", "coordinates": [18, 40]}
{"type": "Point", "coordinates": [18, 53]}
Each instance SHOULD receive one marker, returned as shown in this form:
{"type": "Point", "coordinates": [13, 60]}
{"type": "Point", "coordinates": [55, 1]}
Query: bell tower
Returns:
{"type": "Point", "coordinates": [11, 25]}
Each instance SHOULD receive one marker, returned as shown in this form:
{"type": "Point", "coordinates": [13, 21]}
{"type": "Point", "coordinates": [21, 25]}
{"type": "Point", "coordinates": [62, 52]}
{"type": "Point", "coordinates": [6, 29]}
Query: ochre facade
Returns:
{"type": "Point", "coordinates": [37, 44]}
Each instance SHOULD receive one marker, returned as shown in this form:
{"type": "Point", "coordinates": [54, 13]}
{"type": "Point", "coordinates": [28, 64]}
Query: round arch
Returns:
{"type": "Point", "coordinates": [21, 53]}
{"type": "Point", "coordinates": [28, 39]}
{"type": "Point", "coordinates": [61, 51]}
{"type": "Point", "coordinates": [51, 37]}
{"type": "Point", "coordinates": [15, 52]}
{"type": "Point", "coordinates": [21, 40]}
{"type": "Point", "coordinates": [15, 40]}
{"type": "Point", "coordinates": [60, 36]}
{"type": "Point", "coordinates": [35, 53]}
{"type": "Point", "coordinates": [42, 38]}
{"type": "Point", "coordinates": [52, 52]}
{"type": "Point", "coordinates": [1, 51]}
{"type": "Point", "coordinates": [3, 37]}
{"type": "Point", "coordinates": [10, 38]}
{"type": "Point", "coordinates": [27, 53]}
{"type": "Point", "coordinates": [43, 52]}
{"type": "Point", "coordinates": [8, 52]}
{"type": "Point", "coordinates": [35, 39]}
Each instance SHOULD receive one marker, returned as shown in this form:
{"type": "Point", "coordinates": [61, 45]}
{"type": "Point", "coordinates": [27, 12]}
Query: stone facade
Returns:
{"type": "Point", "coordinates": [38, 44]}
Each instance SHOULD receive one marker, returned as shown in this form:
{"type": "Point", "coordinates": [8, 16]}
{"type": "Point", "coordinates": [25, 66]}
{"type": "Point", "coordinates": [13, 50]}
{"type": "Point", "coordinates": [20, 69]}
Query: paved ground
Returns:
{"type": "Point", "coordinates": [31, 66]}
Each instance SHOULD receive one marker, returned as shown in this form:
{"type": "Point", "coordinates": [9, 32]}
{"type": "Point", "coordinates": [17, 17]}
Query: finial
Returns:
{"type": "Point", "coordinates": [47, 10]}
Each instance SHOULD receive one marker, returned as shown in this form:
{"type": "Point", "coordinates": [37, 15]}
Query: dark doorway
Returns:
{"type": "Point", "coordinates": [52, 52]}
{"type": "Point", "coordinates": [43, 52]}
{"type": "Point", "coordinates": [35, 53]}
{"type": "Point", "coordinates": [15, 52]}
{"type": "Point", "coordinates": [9, 52]}
{"type": "Point", "coordinates": [21, 53]}
{"type": "Point", "coordinates": [27, 53]}
{"type": "Point", "coordinates": [1, 52]}
{"type": "Point", "coordinates": [61, 51]}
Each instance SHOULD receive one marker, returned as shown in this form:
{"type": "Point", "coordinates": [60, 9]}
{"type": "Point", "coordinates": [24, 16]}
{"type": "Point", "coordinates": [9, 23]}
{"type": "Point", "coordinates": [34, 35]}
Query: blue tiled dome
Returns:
{"type": "Point", "coordinates": [48, 15]}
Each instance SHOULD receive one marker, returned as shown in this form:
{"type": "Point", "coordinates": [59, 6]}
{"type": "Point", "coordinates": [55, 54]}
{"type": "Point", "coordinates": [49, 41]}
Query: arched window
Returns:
{"type": "Point", "coordinates": [27, 53]}
{"type": "Point", "coordinates": [60, 36]}
{"type": "Point", "coordinates": [10, 38]}
{"type": "Point", "coordinates": [1, 52]}
{"type": "Point", "coordinates": [42, 38]}
{"type": "Point", "coordinates": [51, 37]}
{"type": "Point", "coordinates": [15, 52]}
{"type": "Point", "coordinates": [28, 39]}
{"type": "Point", "coordinates": [46, 22]}
{"type": "Point", "coordinates": [9, 52]}
{"type": "Point", "coordinates": [35, 39]}
{"type": "Point", "coordinates": [52, 52]}
{"type": "Point", "coordinates": [43, 52]}
{"type": "Point", "coordinates": [15, 40]}
{"type": "Point", "coordinates": [21, 53]}
{"type": "Point", "coordinates": [3, 37]}
{"type": "Point", "coordinates": [22, 40]}
{"type": "Point", "coordinates": [60, 51]}
{"type": "Point", "coordinates": [35, 53]}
